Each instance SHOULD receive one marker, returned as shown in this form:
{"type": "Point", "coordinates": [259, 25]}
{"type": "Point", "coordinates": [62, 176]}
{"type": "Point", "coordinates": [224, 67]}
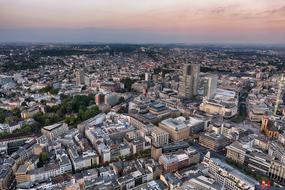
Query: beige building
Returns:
{"type": "Point", "coordinates": [30, 112]}
{"type": "Point", "coordinates": [21, 174]}
{"type": "Point", "coordinates": [225, 103]}
{"type": "Point", "coordinates": [156, 152]}
{"type": "Point", "coordinates": [160, 137]}
{"type": "Point", "coordinates": [277, 172]}
{"type": "Point", "coordinates": [236, 152]}
{"type": "Point", "coordinates": [256, 112]}
{"type": "Point", "coordinates": [79, 76]}
{"type": "Point", "coordinates": [176, 128]}
{"type": "Point", "coordinates": [212, 141]}
{"type": "Point", "coordinates": [211, 107]}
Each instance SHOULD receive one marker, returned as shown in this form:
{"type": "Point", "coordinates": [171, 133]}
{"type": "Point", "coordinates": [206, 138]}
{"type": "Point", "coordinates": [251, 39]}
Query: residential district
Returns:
{"type": "Point", "coordinates": [141, 117]}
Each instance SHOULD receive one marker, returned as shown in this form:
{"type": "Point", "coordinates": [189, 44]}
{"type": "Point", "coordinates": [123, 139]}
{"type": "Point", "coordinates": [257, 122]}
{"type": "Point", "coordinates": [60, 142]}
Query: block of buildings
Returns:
{"type": "Point", "coordinates": [213, 141]}
{"type": "Point", "coordinates": [54, 131]}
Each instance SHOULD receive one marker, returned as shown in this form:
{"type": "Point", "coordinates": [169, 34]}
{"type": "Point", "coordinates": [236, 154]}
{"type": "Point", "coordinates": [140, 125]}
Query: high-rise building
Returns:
{"type": "Point", "coordinates": [99, 99]}
{"type": "Point", "coordinates": [210, 86]}
{"type": "Point", "coordinates": [87, 80]}
{"type": "Point", "coordinates": [188, 86]}
{"type": "Point", "coordinates": [111, 99]}
{"type": "Point", "coordinates": [79, 75]}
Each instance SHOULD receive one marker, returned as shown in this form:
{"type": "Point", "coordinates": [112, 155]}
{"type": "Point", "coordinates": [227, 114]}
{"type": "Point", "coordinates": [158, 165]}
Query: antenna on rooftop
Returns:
{"type": "Point", "coordinates": [280, 86]}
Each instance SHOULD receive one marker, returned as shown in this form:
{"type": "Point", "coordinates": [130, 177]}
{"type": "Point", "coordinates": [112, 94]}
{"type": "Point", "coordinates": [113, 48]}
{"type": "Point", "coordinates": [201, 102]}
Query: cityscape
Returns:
{"type": "Point", "coordinates": [154, 109]}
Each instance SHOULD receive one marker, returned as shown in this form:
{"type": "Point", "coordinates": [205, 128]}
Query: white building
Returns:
{"type": "Point", "coordinates": [227, 176]}
{"type": "Point", "coordinates": [225, 103]}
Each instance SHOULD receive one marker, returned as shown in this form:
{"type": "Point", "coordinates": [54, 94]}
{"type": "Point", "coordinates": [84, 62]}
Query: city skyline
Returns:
{"type": "Point", "coordinates": [128, 21]}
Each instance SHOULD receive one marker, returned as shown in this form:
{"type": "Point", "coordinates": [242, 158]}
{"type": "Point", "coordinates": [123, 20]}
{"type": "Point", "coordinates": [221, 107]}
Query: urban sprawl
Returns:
{"type": "Point", "coordinates": [141, 117]}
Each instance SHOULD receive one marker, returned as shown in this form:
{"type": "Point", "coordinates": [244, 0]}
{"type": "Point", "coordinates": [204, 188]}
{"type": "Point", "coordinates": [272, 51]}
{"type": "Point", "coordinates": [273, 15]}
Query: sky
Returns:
{"type": "Point", "coordinates": [143, 21]}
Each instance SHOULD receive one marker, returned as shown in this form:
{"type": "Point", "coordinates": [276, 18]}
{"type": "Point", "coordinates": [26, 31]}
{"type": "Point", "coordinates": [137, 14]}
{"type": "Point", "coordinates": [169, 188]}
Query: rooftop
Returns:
{"type": "Point", "coordinates": [174, 124]}
{"type": "Point", "coordinates": [52, 127]}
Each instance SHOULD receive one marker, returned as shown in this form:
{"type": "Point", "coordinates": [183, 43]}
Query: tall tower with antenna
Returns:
{"type": "Point", "coordinates": [279, 92]}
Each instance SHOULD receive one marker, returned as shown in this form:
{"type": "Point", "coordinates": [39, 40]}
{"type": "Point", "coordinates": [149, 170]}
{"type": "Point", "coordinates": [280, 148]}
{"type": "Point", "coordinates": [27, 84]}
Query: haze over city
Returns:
{"type": "Point", "coordinates": [148, 21]}
{"type": "Point", "coordinates": [142, 94]}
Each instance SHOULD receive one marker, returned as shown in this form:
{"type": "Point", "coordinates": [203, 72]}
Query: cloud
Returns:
{"type": "Point", "coordinates": [188, 18]}
{"type": "Point", "coordinates": [224, 9]}
{"type": "Point", "coordinates": [277, 11]}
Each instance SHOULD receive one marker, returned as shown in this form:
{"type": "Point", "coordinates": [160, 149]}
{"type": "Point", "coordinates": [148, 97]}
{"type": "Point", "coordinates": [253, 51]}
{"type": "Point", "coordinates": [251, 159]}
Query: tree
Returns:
{"type": "Point", "coordinates": [121, 100]}
{"type": "Point", "coordinates": [11, 119]}
{"type": "Point", "coordinates": [43, 158]}
{"type": "Point", "coordinates": [128, 83]}
{"type": "Point", "coordinates": [24, 104]}
{"type": "Point", "coordinates": [49, 89]}
{"type": "Point", "coordinates": [16, 112]}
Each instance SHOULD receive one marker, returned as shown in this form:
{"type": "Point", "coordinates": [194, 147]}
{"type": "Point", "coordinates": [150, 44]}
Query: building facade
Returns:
{"type": "Point", "coordinates": [210, 86]}
{"type": "Point", "coordinates": [188, 85]}
{"type": "Point", "coordinates": [177, 129]}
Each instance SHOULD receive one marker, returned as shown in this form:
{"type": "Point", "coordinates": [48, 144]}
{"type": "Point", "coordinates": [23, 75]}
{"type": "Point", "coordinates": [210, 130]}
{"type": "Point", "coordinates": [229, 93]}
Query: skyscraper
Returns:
{"type": "Point", "coordinates": [79, 75]}
{"type": "Point", "coordinates": [210, 86]}
{"type": "Point", "coordinates": [188, 85]}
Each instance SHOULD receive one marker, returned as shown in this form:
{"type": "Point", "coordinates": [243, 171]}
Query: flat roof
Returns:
{"type": "Point", "coordinates": [52, 127]}
{"type": "Point", "coordinates": [174, 124]}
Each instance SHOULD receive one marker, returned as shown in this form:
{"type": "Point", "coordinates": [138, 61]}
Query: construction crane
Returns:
{"type": "Point", "coordinates": [279, 92]}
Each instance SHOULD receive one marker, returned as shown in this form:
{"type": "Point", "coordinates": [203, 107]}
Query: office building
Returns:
{"type": "Point", "coordinates": [225, 103]}
{"type": "Point", "coordinates": [176, 128]}
{"type": "Point", "coordinates": [213, 141]}
{"type": "Point", "coordinates": [159, 136]}
{"type": "Point", "coordinates": [188, 85]}
{"type": "Point", "coordinates": [79, 76]}
{"type": "Point", "coordinates": [227, 176]}
{"type": "Point", "coordinates": [85, 160]}
{"type": "Point", "coordinates": [87, 80]}
{"type": "Point", "coordinates": [277, 172]}
{"type": "Point", "coordinates": [210, 86]}
{"type": "Point", "coordinates": [111, 99]}
{"type": "Point", "coordinates": [201, 182]}
{"type": "Point", "coordinates": [55, 130]}
{"type": "Point", "coordinates": [245, 155]}
{"type": "Point", "coordinates": [99, 99]}
{"type": "Point", "coordinates": [172, 163]}
{"type": "Point", "coordinates": [236, 152]}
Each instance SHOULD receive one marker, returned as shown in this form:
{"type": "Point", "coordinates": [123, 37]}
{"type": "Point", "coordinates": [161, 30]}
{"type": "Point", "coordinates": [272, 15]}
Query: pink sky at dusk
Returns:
{"type": "Point", "coordinates": [236, 19]}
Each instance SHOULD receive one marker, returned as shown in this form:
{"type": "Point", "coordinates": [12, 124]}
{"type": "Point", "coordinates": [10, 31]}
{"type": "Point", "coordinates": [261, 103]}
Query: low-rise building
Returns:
{"type": "Point", "coordinates": [54, 131]}
{"type": "Point", "coordinates": [236, 152]}
{"type": "Point", "coordinates": [277, 172]}
{"type": "Point", "coordinates": [82, 161]}
{"type": "Point", "coordinates": [176, 128]}
{"type": "Point", "coordinates": [160, 137]}
{"type": "Point", "coordinates": [6, 177]}
{"type": "Point", "coordinates": [229, 177]}
{"type": "Point", "coordinates": [224, 103]}
{"type": "Point", "coordinates": [29, 113]}
{"type": "Point", "coordinates": [174, 162]}
{"type": "Point", "coordinates": [213, 141]}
